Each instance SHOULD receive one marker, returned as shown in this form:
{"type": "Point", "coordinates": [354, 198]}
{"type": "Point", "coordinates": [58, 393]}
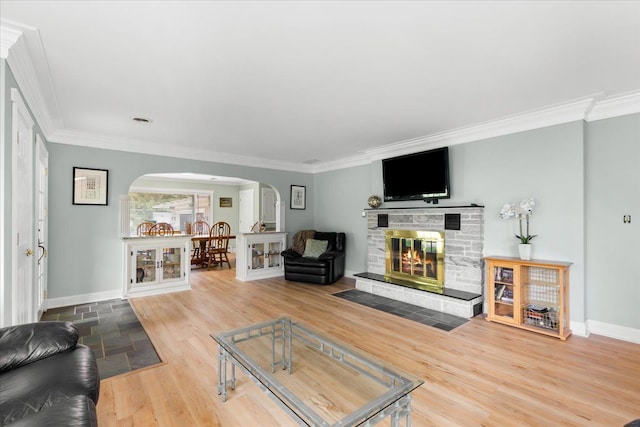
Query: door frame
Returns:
{"type": "Point", "coordinates": [41, 230]}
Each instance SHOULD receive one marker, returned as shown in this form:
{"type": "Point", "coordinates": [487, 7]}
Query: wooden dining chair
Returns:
{"type": "Point", "coordinates": [161, 229]}
{"type": "Point", "coordinates": [199, 228]}
{"type": "Point", "coordinates": [144, 227]}
{"type": "Point", "coordinates": [218, 248]}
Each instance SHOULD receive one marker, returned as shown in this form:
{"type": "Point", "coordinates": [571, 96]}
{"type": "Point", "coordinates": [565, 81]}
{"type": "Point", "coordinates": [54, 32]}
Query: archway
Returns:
{"type": "Point", "coordinates": [187, 197]}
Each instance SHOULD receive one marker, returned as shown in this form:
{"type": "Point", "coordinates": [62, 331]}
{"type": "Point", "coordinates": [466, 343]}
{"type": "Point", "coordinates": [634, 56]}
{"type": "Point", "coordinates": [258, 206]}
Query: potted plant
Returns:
{"type": "Point", "coordinates": [522, 211]}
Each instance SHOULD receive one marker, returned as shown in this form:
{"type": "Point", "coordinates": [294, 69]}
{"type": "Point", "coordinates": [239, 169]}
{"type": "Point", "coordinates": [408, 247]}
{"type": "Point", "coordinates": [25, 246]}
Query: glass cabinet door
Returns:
{"type": "Point", "coordinates": [171, 263]}
{"type": "Point", "coordinates": [504, 292]}
{"type": "Point", "coordinates": [145, 265]}
{"type": "Point", "coordinates": [274, 254]}
{"type": "Point", "coordinates": [257, 255]}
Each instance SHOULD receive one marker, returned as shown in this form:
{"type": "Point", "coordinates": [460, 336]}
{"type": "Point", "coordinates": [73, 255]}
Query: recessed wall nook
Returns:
{"type": "Point", "coordinates": [460, 293]}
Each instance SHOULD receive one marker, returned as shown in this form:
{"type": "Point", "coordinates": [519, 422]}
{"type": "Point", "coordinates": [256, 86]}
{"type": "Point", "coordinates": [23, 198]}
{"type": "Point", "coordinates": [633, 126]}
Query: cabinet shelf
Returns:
{"type": "Point", "coordinates": [540, 292]}
{"type": "Point", "coordinates": [541, 283]}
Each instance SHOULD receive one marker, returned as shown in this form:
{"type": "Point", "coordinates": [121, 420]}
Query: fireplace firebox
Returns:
{"type": "Point", "coordinates": [415, 256]}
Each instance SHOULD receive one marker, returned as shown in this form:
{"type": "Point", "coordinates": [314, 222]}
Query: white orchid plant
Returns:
{"type": "Point", "coordinates": [522, 211]}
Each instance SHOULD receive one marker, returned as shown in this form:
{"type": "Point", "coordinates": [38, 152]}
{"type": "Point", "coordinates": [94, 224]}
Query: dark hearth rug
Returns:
{"type": "Point", "coordinates": [114, 333]}
{"type": "Point", "coordinates": [444, 321]}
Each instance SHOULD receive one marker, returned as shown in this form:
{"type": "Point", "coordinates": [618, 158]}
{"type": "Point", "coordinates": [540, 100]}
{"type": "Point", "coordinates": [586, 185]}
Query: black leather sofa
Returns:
{"type": "Point", "coordinates": [323, 270]}
{"type": "Point", "coordinates": [46, 377]}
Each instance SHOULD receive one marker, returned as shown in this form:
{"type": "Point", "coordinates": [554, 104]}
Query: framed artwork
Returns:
{"type": "Point", "coordinates": [90, 186]}
{"type": "Point", "coordinates": [226, 202]}
{"type": "Point", "coordinates": [298, 197]}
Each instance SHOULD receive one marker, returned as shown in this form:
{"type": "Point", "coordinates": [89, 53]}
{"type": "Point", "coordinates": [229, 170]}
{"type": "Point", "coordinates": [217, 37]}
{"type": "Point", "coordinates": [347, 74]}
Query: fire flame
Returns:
{"type": "Point", "coordinates": [414, 257]}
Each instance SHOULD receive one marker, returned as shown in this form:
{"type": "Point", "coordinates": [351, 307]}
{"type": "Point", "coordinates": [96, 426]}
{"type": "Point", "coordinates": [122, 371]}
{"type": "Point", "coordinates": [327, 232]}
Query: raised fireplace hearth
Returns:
{"type": "Point", "coordinates": [460, 261]}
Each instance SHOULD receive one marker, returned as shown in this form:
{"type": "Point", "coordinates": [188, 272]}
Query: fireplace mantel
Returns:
{"type": "Point", "coordinates": [424, 207]}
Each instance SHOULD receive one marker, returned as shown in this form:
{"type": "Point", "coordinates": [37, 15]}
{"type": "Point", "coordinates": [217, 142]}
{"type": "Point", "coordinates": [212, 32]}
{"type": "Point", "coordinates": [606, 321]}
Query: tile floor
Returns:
{"type": "Point", "coordinates": [426, 316]}
{"type": "Point", "coordinates": [112, 330]}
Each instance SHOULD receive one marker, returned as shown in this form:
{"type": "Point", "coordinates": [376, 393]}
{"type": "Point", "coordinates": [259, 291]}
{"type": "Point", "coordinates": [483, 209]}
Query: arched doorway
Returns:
{"type": "Point", "coordinates": [182, 198]}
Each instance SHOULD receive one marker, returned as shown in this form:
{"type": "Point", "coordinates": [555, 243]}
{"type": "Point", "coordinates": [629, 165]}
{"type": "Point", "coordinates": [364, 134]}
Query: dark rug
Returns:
{"type": "Point", "coordinates": [114, 333]}
{"type": "Point", "coordinates": [444, 321]}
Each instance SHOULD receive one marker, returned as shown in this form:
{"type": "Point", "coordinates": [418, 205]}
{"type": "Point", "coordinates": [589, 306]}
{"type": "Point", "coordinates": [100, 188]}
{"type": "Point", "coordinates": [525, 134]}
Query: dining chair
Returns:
{"type": "Point", "coordinates": [144, 227]}
{"type": "Point", "coordinates": [199, 228]}
{"type": "Point", "coordinates": [218, 248]}
{"type": "Point", "coordinates": [161, 229]}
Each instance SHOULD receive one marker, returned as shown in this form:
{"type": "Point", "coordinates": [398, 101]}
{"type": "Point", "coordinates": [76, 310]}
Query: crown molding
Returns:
{"type": "Point", "coordinates": [22, 66]}
{"type": "Point", "coordinates": [8, 37]}
{"type": "Point", "coordinates": [619, 105]}
{"type": "Point", "coordinates": [130, 145]}
{"type": "Point", "coordinates": [544, 117]}
{"type": "Point", "coordinates": [347, 162]}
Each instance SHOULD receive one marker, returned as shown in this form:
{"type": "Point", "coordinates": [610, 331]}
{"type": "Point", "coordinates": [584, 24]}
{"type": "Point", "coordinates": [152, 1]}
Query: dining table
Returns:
{"type": "Point", "coordinates": [200, 242]}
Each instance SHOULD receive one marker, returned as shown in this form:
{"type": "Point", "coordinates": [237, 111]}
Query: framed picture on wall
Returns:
{"type": "Point", "coordinates": [226, 202]}
{"type": "Point", "coordinates": [298, 197]}
{"type": "Point", "coordinates": [90, 186]}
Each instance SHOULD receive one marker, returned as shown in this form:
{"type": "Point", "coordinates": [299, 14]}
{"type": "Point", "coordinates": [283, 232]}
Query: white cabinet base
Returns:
{"type": "Point", "coordinates": [258, 255]}
{"type": "Point", "coordinates": [156, 265]}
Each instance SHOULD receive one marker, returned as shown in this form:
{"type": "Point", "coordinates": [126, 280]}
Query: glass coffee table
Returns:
{"type": "Point", "coordinates": [317, 380]}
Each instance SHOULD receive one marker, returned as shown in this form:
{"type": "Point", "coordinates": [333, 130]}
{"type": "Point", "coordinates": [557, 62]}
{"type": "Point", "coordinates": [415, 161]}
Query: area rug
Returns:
{"type": "Point", "coordinates": [114, 333]}
{"type": "Point", "coordinates": [444, 321]}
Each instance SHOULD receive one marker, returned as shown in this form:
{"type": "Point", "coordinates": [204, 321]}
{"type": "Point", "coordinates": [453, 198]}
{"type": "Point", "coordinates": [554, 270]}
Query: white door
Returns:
{"type": "Point", "coordinates": [246, 219]}
{"type": "Point", "coordinates": [268, 205]}
{"type": "Point", "coordinates": [22, 281]}
{"type": "Point", "coordinates": [42, 214]}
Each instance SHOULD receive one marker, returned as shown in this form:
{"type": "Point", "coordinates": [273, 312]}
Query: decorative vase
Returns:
{"type": "Point", "coordinates": [374, 201]}
{"type": "Point", "coordinates": [525, 251]}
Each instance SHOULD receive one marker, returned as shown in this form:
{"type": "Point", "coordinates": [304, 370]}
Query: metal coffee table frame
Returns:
{"type": "Point", "coordinates": [394, 403]}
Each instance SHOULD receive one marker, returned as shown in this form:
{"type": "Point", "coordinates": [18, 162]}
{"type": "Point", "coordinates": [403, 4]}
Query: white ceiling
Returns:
{"type": "Point", "coordinates": [316, 82]}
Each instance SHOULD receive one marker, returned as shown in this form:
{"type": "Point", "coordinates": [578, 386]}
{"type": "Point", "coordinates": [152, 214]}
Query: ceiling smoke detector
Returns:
{"type": "Point", "coordinates": [141, 120]}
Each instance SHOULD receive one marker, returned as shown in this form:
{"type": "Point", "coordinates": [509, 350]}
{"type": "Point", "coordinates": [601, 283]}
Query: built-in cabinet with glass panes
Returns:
{"type": "Point", "coordinates": [156, 265]}
{"type": "Point", "coordinates": [532, 295]}
{"type": "Point", "coordinates": [258, 255]}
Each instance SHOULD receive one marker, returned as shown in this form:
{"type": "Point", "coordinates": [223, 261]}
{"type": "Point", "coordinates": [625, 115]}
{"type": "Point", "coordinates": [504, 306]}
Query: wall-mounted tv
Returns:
{"type": "Point", "coordinates": [418, 176]}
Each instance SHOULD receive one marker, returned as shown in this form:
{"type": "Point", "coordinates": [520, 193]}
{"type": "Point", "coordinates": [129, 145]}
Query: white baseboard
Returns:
{"type": "Point", "coordinates": [579, 328]}
{"type": "Point", "coordinates": [618, 332]}
{"type": "Point", "coordinates": [82, 299]}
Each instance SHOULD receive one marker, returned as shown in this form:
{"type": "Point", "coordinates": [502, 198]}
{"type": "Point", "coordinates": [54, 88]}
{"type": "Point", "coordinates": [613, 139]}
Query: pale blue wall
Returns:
{"type": "Point", "coordinates": [613, 190]}
{"type": "Point", "coordinates": [546, 164]}
{"type": "Point", "coordinates": [340, 198]}
{"type": "Point", "coordinates": [85, 254]}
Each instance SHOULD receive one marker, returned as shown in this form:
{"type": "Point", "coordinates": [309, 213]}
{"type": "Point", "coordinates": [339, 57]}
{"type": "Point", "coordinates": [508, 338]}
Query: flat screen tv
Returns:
{"type": "Point", "coordinates": [418, 176]}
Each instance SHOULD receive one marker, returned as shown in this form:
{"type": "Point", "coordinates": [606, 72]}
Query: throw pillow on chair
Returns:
{"type": "Point", "coordinates": [315, 248]}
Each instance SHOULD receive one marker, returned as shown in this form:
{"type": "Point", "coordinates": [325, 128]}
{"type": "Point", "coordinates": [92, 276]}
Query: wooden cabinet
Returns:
{"type": "Point", "coordinates": [258, 255]}
{"type": "Point", "coordinates": [532, 295]}
{"type": "Point", "coordinates": [156, 265]}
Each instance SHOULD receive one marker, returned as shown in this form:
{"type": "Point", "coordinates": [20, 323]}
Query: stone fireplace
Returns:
{"type": "Point", "coordinates": [458, 288]}
{"type": "Point", "coordinates": [416, 256]}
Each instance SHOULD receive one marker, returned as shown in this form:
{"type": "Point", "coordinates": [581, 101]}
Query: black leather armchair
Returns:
{"type": "Point", "coordinates": [324, 270]}
{"type": "Point", "coordinates": [46, 378]}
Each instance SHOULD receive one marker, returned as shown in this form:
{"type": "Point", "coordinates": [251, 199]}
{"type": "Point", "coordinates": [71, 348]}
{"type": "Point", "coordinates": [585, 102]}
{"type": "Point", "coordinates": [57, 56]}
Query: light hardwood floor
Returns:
{"type": "Point", "coordinates": [479, 374]}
